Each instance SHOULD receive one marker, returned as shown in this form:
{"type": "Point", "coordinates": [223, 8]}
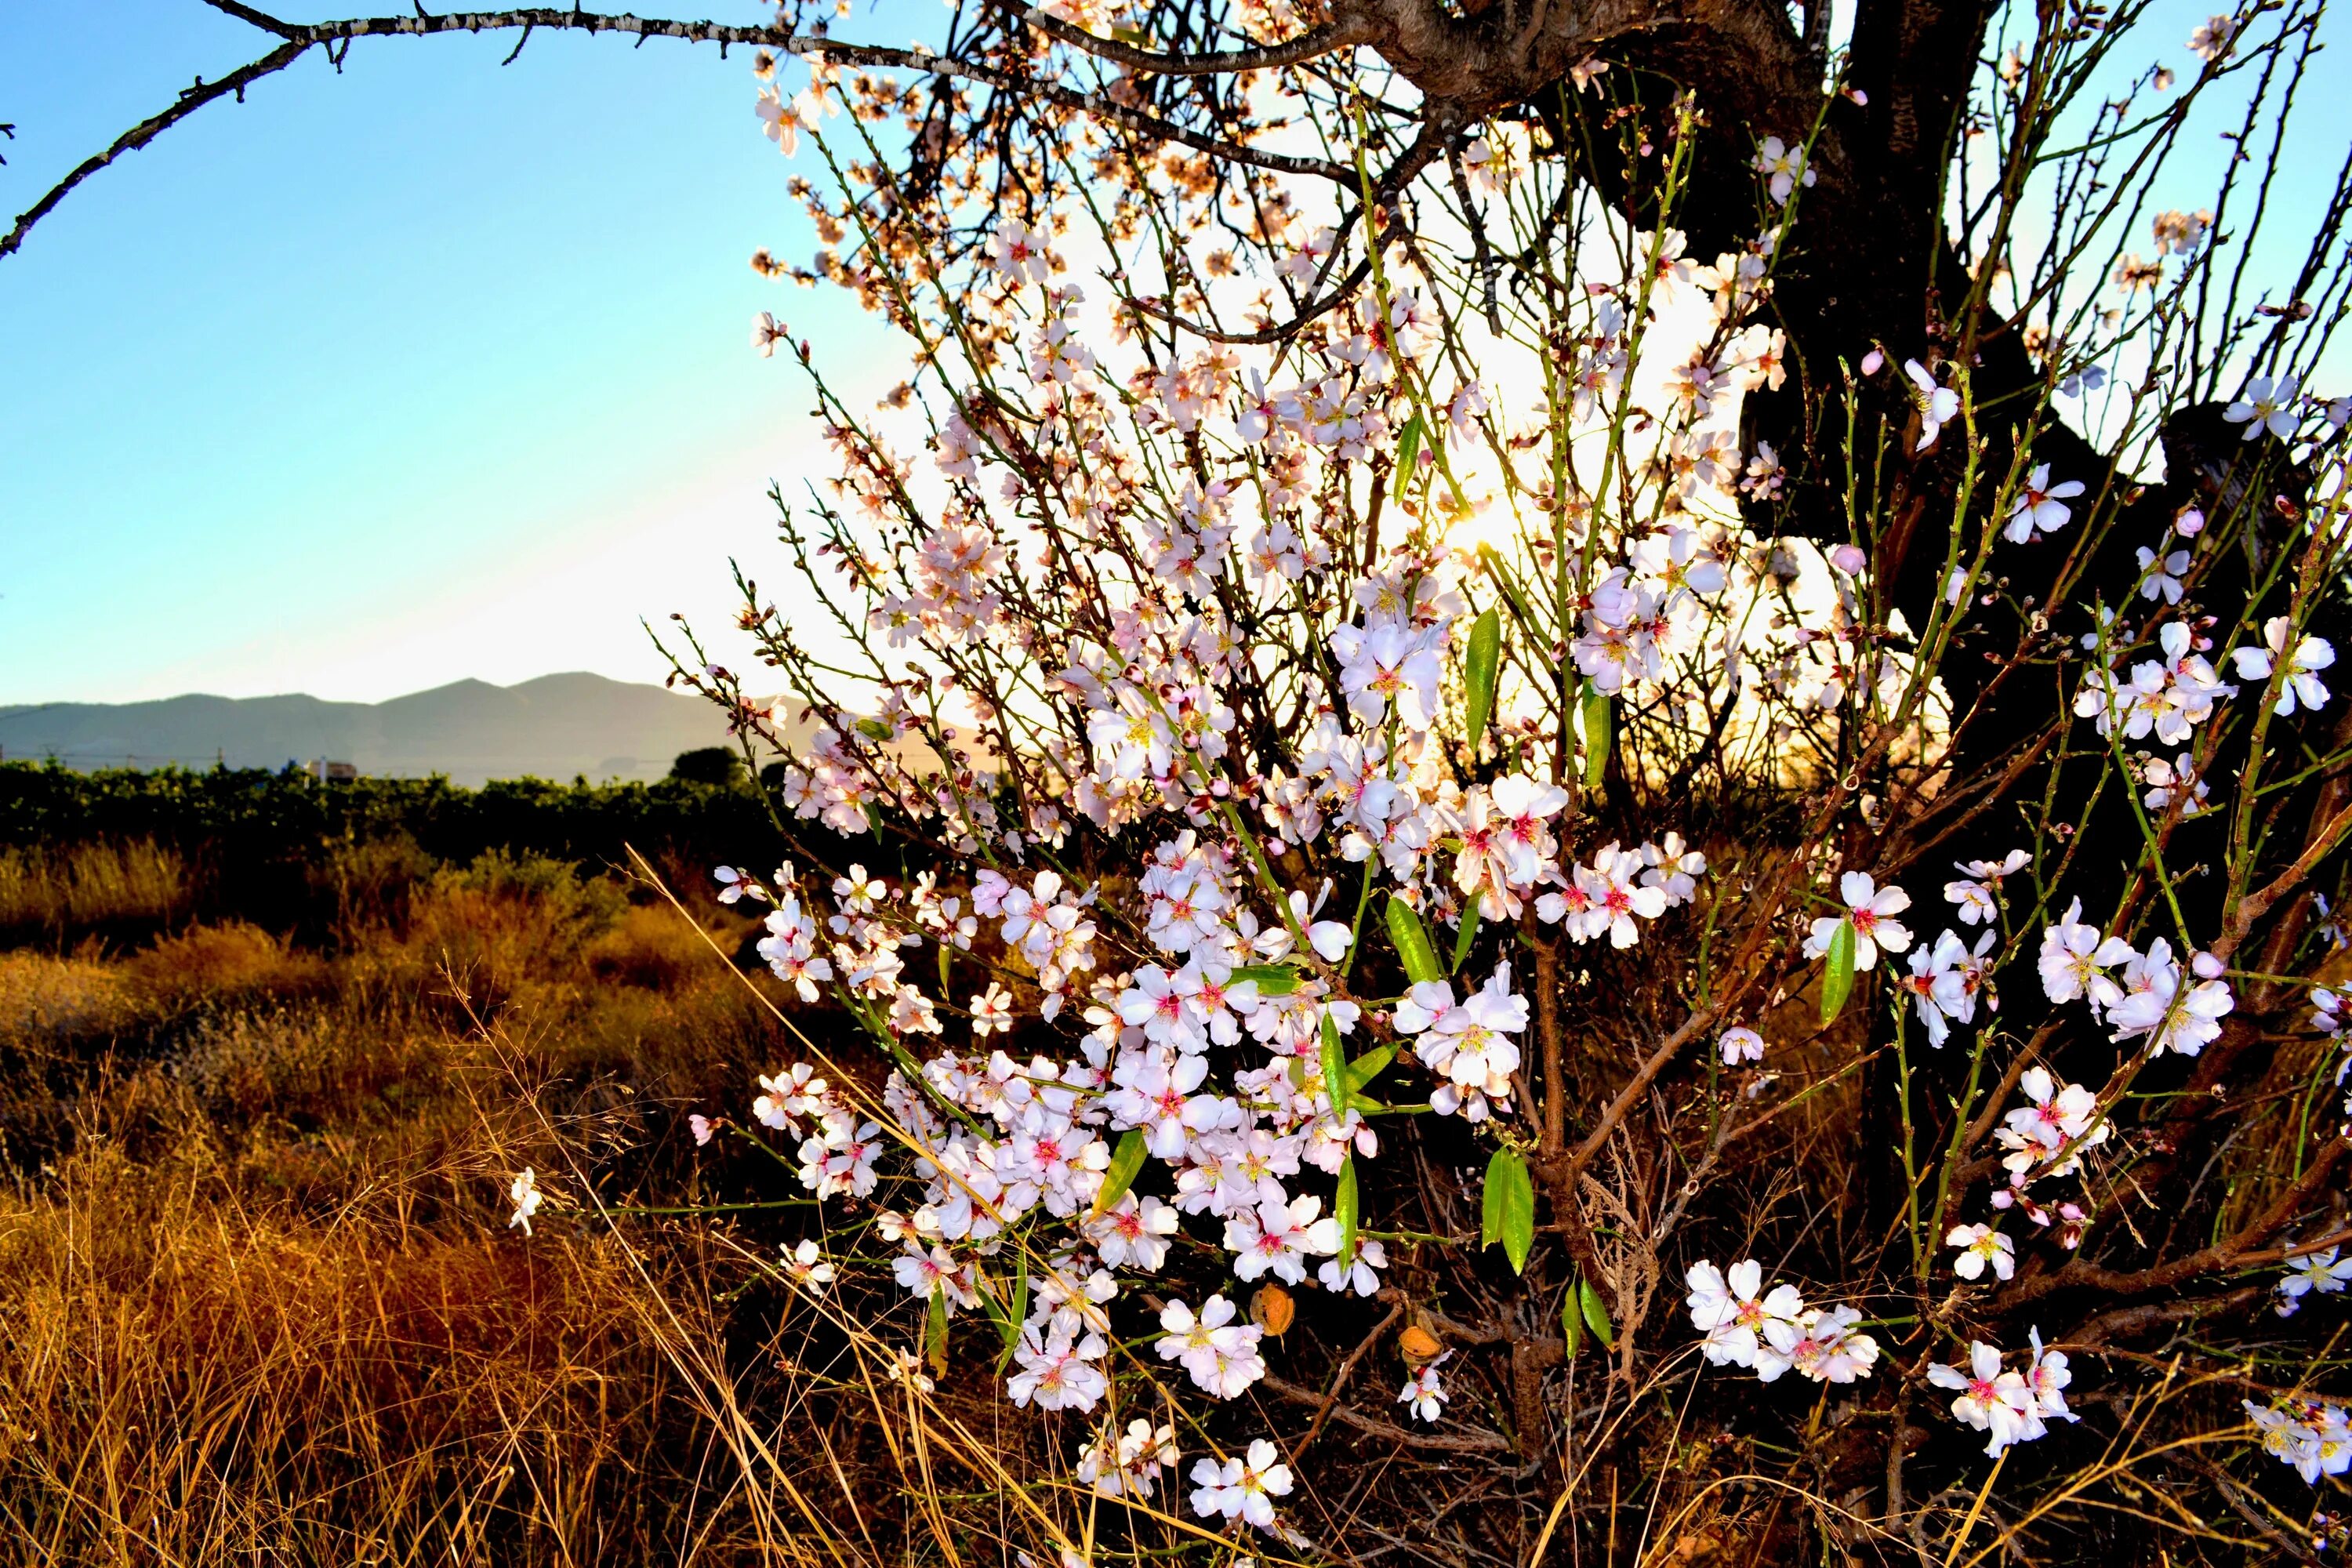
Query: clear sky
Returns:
{"type": "Point", "coordinates": [433, 369]}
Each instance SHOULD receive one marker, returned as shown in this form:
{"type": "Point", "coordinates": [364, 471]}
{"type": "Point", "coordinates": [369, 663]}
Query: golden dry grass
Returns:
{"type": "Point", "coordinates": [191, 1380]}
{"type": "Point", "coordinates": [90, 885]}
{"type": "Point", "coordinates": [257, 1300]}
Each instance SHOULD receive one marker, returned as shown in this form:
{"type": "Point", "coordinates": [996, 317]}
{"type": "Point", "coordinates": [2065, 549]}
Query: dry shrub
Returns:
{"type": "Point", "coordinates": [488, 928]}
{"type": "Point", "coordinates": [370, 886]}
{"type": "Point", "coordinates": [222, 962]}
{"type": "Point", "coordinates": [43, 997]}
{"type": "Point", "coordinates": [115, 889]}
{"type": "Point", "coordinates": [311, 1065]}
{"type": "Point", "coordinates": [257, 1300]}
{"type": "Point", "coordinates": [651, 947]}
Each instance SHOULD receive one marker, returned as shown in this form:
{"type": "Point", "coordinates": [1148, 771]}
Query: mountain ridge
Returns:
{"type": "Point", "coordinates": [555, 726]}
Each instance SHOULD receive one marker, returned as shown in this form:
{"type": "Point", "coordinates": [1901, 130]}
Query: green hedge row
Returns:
{"type": "Point", "coordinates": [228, 813]}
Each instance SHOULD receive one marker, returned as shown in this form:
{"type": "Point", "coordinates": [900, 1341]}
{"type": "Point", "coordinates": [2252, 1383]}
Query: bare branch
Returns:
{"type": "Point", "coordinates": [1308, 314]}
{"type": "Point", "coordinates": [190, 100]}
{"type": "Point", "coordinates": [300, 36]}
{"type": "Point", "coordinates": [2240, 1251]}
{"type": "Point", "coordinates": [2325, 840]}
{"type": "Point", "coordinates": [1328, 38]}
{"type": "Point", "coordinates": [251, 17]}
{"type": "Point", "coordinates": [1474, 1442]}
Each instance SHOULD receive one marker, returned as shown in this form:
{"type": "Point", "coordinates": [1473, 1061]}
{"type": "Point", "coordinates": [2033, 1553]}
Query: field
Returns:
{"type": "Point", "coordinates": [272, 1053]}
{"type": "Point", "coordinates": [259, 1301]}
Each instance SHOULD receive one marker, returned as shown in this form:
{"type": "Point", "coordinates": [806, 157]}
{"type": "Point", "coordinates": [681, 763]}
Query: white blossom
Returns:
{"type": "Point", "coordinates": [1243, 1487]}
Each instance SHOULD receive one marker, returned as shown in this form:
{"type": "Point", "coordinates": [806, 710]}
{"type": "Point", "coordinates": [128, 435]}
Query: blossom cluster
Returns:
{"type": "Point", "coordinates": [2007, 1407]}
{"type": "Point", "coordinates": [2313, 1436]}
{"type": "Point", "coordinates": [1771, 1332]}
{"type": "Point", "coordinates": [2146, 995]}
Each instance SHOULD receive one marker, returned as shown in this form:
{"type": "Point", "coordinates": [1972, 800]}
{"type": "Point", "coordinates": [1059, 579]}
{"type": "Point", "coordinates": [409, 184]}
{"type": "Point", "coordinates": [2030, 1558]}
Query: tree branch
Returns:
{"type": "Point", "coordinates": [2324, 839]}
{"type": "Point", "coordinates": [300, 36]}
{"type": "Point", "coordinates": [1328, 38]}
{"type": "Point", "coordinates": [190, 100]}
{"type": "Point", "coordinates": [2241, 1250]}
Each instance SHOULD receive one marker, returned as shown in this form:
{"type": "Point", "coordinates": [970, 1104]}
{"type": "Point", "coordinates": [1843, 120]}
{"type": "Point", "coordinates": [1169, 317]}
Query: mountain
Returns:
{"type": "Point", "coordinates": [555, 727]}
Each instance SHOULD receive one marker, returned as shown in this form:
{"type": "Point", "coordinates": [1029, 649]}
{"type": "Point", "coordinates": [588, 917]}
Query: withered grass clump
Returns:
{"type": "Point", "coordinates": [137, 885]}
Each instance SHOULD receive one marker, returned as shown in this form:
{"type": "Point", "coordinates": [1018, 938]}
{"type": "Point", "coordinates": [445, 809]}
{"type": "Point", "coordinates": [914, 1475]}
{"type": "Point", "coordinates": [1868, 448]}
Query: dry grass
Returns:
{"type": "Point", "coordinates": [43, 997]}
{"type": "Point", "coordinates": [85, 886]}
{"type": "Point", "coordinates": [257, 1300]}
{"type": "Point", "coordinates": [190, 1380]}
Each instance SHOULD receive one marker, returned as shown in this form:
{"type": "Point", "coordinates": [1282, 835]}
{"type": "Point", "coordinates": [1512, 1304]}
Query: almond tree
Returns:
{"type": "Point", "coordinates": [1509, 670]}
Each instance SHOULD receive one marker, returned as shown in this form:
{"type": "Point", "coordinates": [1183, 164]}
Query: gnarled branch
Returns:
{"type": "Point", "coordinates": [300, 37]}
{"type": "Point", "coordinates": [1327, 39]}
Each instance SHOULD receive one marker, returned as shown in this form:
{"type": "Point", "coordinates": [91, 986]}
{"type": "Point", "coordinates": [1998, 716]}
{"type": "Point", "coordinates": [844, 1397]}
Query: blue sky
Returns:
{"type": "Point", "coordinates": [431, 369]}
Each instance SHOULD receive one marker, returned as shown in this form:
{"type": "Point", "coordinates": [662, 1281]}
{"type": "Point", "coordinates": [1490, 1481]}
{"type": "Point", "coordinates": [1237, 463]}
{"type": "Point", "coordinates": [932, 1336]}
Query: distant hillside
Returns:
{"type": "Point", "coordinates": [556, 727]}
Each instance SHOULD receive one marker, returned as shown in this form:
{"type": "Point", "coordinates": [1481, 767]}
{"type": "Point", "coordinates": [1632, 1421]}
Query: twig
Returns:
{"type": "Point", "coordinates": [1471, 1443]}
{"type": "Point", "coordinates": [190, 100]}
{"type": "Point", "coordinates": [1339, 1378]}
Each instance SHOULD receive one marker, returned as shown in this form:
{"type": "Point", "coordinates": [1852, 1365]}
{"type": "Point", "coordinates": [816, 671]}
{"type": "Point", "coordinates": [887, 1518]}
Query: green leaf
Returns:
{"type": "Point", "coordinates": [1596, 735]}
{"type": "Point", "coordinates": [1007, 1323]}
{"type": "Point", "coordinates": [1464, 937]}
{"type": "Point", "coordinates": [1126, 1161]}
{"type": "Point", "coordinates": [1571, 1320]}
{"type": "Point", "coordinates": [873, 729]}
{"type": "Point", "coordinates": [944, 950]}
{"type": "Point", "coordinates": [1596, 1316]}
{"type": "Point", "coordinates": [1479, 668]}
{"type": "Point", "coordinates": [1838, 984]}
{"type": "Point", "coordinates": [1343, 1208]}
{"type": "Point", "coordinates": [1335, 1068]}
{"type": "Point", "coordinates": [1508, 1212]}
{"type": "Point", "coordinates": [1271, 979]}
{"type": "Point", "coordinates": [1412, 940]}
{"type": "Point", "coordinates": [939, 1334]}
{"type": "Point", "coordinates": [1408, 454]}
{"type": "Point", "coordinates": [1365, 1068]}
